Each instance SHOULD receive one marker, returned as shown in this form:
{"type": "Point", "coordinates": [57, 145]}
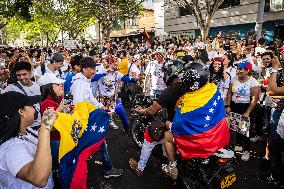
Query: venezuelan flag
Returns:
{"type": "Point", "coordinates": [200, 127]}
{"type": "Point", "coordinates": [82, 134]}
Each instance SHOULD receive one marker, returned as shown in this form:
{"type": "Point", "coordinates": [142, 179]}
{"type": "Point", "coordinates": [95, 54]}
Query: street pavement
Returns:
{"type": "Point", "coordinates": [122, 148]}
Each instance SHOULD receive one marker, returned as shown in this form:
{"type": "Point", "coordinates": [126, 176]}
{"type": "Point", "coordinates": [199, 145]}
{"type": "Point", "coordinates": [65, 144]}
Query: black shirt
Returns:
{"type": "Point", "coordinates": [169, 97]}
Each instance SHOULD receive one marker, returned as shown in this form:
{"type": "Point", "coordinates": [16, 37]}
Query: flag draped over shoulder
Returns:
{"type": "Point", "coordinates": [82, 134]}
{"type": "Point", "coordinates": [200, 127]}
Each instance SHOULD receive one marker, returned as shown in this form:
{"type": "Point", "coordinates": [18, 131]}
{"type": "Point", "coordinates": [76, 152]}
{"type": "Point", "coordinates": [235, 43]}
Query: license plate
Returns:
{"type": "Point", "coordinates": [228, 181]}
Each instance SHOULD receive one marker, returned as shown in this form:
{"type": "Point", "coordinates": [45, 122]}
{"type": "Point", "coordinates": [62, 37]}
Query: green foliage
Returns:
{"type": "Point", "coordinates": [110, 12]}
{"type": "Point", "coordinates": [10, 8]}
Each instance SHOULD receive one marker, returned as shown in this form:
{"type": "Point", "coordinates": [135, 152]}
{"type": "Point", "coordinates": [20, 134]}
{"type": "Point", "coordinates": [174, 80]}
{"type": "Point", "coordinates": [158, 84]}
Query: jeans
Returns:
{"type": "Point", "coordinates": [103, 152]}
{"type": "Point", "coordinates": [145, 153]}
{"type": "Point", "coordinates": [274, 119]}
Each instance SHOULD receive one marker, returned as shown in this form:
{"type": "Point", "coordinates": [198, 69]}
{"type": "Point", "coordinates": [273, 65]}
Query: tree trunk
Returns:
{"type": "Point", "coordinates": [259, 19]}
{"type": "Point", "coordinates": [204, 32]}
{"type": "Point", "coordinates": [46, 39]}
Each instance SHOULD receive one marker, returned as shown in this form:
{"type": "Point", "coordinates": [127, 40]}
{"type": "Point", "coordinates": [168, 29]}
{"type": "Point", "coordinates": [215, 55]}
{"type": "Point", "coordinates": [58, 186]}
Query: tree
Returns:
{"type": "Point", "coordinates": [109, 12]}
{"type": "Point", "coordinates": [67, 15]}
{"type": "Point", "coordinates": [202, 10]}
{"type": "Point", "coordinates": [9, 8]}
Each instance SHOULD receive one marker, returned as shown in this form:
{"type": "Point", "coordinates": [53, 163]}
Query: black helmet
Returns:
{"type": "Point", "coordinates": [195, 76]}
{"type": "Point", "coordinates": [171, 70]}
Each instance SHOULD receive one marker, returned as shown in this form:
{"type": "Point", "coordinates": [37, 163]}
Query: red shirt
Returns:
{"type": "Point", "coordinates": [49, 103]}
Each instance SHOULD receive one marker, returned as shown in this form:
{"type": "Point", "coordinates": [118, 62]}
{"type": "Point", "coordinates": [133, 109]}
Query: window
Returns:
{"type": "Point", "coordinates": [273, 5]}
{"type": "Point", "coordinates": [133, 22]}
{"type": "Point", "coordinates": [184, 11]}
{"type": "Point", "coordinates": [276, 5]}
{"type": "Point", "coordinates": [229, 4]}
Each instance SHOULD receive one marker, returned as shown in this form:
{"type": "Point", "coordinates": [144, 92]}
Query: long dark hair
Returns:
{"type": "Point", "coordinates": [216, 77]}
{"type": "Point", "coordinates": [47, 90]}
{"type": "Point", "coordinates": [9, 128]}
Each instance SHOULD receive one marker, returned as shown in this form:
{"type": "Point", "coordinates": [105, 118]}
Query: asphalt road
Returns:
{"type": "Point", "coordinates": [122, 148]}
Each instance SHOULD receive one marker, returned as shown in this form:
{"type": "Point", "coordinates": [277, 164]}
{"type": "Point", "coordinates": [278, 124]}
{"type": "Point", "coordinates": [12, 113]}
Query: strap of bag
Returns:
{"type": "Point", "coordinates": [20, 87]}
{"type": "Point", "coordinates": [129, 68]}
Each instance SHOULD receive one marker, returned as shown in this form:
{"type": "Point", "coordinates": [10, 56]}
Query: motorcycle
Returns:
{"type": "Point", "coordinates": [213, 172]}
{"type": "Point", "coordinates": [140, 122]}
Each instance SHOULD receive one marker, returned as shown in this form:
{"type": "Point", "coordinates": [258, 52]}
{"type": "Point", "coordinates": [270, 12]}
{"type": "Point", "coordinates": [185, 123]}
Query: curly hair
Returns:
{"type": "Point", "coordinates": [216, 77]}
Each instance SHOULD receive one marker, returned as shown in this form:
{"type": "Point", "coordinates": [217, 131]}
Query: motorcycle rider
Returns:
{"type": "Point", "coordinates": [197, 131]}
{"type": "Point", "coordinates": [166, 100]}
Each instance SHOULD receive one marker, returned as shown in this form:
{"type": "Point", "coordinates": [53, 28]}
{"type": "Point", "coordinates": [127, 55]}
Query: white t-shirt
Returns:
{"type": "Point", "coordinates": [154, 70]}
{"type": "Point", "coordinates": [108, 82]}
{"type": "Point", "coordinates": [211, 54]}
{"type": "Point", "coordinates": [14, 155]}
{"type": "Point", "coordinates": [223, 87]}
{"type": "Point", "coordinates": [241, 91]}
{"type": "Point", "coordinates": [231, 71]}
{"type": "Point", "coordinates": [38, 72]}
{"type": "Point", "coordinates": [100, 70]}
{"type": "Point", "coordinates": [134, 69]}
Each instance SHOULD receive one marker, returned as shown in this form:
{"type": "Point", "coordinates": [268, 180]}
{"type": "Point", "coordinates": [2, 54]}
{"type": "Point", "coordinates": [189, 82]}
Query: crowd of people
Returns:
{"type": "Point", "coordinates": [36, 83]}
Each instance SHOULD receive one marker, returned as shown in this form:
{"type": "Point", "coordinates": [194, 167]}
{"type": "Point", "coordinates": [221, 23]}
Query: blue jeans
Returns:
{"type": "Point", "coordinates": [103, 152]}
{"type": "Point", "coordinates": [274, 119]}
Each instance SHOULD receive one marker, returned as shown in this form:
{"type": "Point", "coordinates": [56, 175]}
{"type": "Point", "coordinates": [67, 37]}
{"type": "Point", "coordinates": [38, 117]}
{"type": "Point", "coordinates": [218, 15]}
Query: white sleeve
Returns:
{"type": "Point", "coordinates": [83, 93]}
{"type": "Point", "coordinates": [148, 68]}
{"type": "Point", "coordinates": [16, 162]}
{"type": "Point", "coordinates": [119, 76]}
{"type": "Point", "coordinates": [254, 82]}
{"type": "Point", "coordinates": [37, 72]}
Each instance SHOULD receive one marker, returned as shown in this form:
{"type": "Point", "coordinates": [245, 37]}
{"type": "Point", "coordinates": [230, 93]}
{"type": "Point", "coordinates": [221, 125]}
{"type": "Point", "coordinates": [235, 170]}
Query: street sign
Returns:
{"type": "Point", "coordinates": [70, 44]}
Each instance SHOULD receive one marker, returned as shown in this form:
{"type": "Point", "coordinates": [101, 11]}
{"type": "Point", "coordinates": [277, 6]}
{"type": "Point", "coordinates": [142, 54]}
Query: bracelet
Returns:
{"type": "Point", "coordinates": [227, 106]}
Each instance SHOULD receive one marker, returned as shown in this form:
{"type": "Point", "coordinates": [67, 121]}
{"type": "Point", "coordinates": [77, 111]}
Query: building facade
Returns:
{"type": "Point", "coordinates": [235, 19]}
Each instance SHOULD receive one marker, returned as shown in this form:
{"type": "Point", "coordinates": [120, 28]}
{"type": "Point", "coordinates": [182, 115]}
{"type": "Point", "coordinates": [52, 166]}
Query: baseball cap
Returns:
{"type": "Point", "coordinates": [88, 62]}
{"type": "Point", "coordinates": [48, 78]}
{"type": "Point", "coordinates": [57, 57]}
{"type": "Point", "coordinates": [11, 102]}
{"type": "Point", "coordinates": [244, 65]}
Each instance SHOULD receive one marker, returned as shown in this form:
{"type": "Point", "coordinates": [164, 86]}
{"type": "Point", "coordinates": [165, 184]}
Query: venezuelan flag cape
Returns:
{"type": "Point", "coordinates": [82, 134]}
{"type": "Point", "coordinates": [200, 127]}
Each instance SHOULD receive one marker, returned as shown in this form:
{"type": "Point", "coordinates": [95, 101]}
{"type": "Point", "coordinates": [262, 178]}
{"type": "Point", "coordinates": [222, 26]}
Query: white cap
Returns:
{"type": "Point", "coordinates": [48, 78]}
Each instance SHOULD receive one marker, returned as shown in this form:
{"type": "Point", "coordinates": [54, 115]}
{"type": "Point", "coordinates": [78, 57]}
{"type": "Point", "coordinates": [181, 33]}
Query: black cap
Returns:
{"type": "Point", "coordinates": [88, 62]}
{"type": "Point", "coordinates": [57, 57]}
{"type": "Point", "coordinates": [11, 102]}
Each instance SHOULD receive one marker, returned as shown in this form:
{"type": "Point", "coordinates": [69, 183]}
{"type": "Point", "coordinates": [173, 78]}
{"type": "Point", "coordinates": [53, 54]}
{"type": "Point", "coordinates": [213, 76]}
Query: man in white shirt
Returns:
{"type": "Point", "coordinates": [82, 91]}
{"type": "Point", "coordinates": [154, 83]}
{"type": "Point", "coordinates": [81, 83]}
{"type": "Point", "coordinates": [53, 66]}
{"type": "Point", "coordinates": [26, 86]}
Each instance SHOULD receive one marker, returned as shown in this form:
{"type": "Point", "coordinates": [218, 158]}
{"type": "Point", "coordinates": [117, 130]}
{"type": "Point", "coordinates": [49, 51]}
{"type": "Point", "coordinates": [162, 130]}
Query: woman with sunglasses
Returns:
{"type": "Point", "coordinates": [242, 97]}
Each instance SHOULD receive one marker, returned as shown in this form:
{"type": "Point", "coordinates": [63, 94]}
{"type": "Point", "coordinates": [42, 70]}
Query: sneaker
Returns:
{"type": "Point", "coordinates": [245, 156]}
{"type": "Point", "coordinates": [170, 170]}
{"type": "Point", "coordinates": [238, 149]}
{"type": "Point", "coordinates": [255, 139]}
{"type": "Point", "coordinates": [113, 173]}
{"type": "Point", "coordinates": [268, 178]}
{"type": "Point", "coordinates": [113, 125]}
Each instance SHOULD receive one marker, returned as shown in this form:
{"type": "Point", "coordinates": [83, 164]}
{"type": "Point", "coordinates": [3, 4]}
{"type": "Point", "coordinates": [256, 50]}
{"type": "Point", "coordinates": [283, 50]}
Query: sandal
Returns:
{"type": "Point", "coordinates": [134, 166]}
{"type": "Point", "coordinates": [170, 170]}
